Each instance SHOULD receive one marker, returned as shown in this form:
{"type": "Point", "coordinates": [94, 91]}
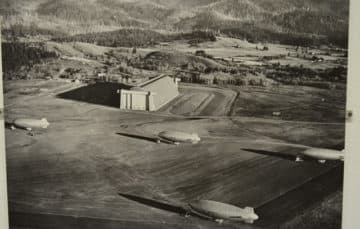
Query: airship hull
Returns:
{"type": "Point", "coordinates": [217, 210]}
{"type": "Point", "coordinates": [31, 123]}
{"type": "Point", "coordinates": [177, 136]}
{"type": "Point", "coordinates": [324, 154]}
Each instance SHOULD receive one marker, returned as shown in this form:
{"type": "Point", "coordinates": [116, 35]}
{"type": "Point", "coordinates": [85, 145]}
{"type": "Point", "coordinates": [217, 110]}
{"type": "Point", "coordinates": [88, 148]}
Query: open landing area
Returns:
{"type": "Point", "coordinates": [72, 173]}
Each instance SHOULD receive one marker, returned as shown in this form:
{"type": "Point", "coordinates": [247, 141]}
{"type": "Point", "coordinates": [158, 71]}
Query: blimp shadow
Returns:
{"type": "Point", "coordinates": [138, 136]}
{"type": "Point", "coordinates": [8, 125]}
{"type": "Point", "coordinates": [286, 156]}
{"type": "Point", "coordinates": [103, 93]}
{"type": "Point", "coordinates": [146, 138]}
{"type": "Point", "coordinates": [154, 203]}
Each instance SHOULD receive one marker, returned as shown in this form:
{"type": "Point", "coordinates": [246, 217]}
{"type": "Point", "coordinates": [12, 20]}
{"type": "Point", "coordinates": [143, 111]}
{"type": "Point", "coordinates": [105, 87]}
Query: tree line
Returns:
{"type": "Point", "coordinates": [135, 37]}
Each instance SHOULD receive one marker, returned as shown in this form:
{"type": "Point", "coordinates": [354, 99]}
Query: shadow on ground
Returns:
{"type": "Point", "coordinates": [138, 136]}
{"type": "Point", "coordinates": [271, 153]}
{"type": "Point", "coordinates": [154, 203]}
{"type": "Point", "coordinates": [8, 125]}
{"type": "Point", "coordinates": [100, 93]}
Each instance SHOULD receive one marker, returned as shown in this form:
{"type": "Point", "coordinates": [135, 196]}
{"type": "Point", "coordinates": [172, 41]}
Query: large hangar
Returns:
{"type": "Point", "coordinates": [150, 95]}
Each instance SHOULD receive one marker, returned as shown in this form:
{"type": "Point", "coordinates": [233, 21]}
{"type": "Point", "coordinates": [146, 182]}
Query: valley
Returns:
{"type": "Point", "coordinates": [270, 76]}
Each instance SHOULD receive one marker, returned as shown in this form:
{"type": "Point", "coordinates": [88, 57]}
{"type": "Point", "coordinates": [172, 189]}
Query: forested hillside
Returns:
{"type": "Point", "coordinates": [296, 18]}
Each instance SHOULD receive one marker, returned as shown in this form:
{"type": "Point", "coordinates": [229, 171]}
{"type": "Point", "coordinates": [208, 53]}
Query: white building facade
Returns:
{"type": "Point", "coordinates": [150, 95]}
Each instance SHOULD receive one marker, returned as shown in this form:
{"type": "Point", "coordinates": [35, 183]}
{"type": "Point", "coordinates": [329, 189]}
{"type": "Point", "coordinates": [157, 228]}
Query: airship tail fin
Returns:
{"type": "Point", "coordinates": [249, 210]}
{"type": "Point", "coordinates": [249, 221]}
{"type": "Point", "coordinates": [343, 156]}
{"type": "Point", "coordinates": [45, 123]}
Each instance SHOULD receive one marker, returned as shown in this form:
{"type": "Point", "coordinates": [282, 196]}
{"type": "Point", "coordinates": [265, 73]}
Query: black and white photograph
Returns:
{"type": "Point", "coordinates": [184, 114]}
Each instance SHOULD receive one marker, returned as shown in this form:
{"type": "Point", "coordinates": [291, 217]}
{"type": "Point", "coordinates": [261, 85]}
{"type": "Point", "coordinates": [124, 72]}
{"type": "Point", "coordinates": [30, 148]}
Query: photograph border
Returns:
{"type": "Point", "coordinates": [351, 196]}
{"type": "Point", "coordinates": [4, 219]}
{"type": "Point", "coordinates": [351, 193]}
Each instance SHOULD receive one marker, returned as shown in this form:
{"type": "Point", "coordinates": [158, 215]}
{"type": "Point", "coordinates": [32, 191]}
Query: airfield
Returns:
{"type": "Point", "coordinates": [71, 175]}
{"type": "Point", "coordinates": [78, 172]}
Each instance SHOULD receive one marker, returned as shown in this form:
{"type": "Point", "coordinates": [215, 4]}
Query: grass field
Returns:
{"type": "Point", "coordinates": [293, 103]}
{"type": "Point", "coordinates": [201, 101]}
{"type": "Point", "coordinates": [78, 166]}
{"type": "Point", "coordinates": [72, 172]}
{"type": "Point", "coordinates": [327, 215]}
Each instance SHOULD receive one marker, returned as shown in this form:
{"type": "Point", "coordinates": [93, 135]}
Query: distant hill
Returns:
{"type": "Point", "coordinates": [90, 11]}
{"type": "Point", "coordinates": [319, 18]}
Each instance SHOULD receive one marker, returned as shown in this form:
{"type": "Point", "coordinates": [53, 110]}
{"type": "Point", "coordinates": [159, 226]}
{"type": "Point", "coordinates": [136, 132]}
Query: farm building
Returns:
{"type": "Point", "coordinates": [150, 95]}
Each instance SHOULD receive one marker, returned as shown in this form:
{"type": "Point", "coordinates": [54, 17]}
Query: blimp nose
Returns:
{"type": "Point", "coordinates": [255, 217]}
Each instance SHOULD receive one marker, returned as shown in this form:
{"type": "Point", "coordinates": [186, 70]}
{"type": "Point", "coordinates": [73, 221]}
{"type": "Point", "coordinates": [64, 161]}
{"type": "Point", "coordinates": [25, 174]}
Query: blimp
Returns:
{"type": "Point", "coordinates": [221, 211]}
{"type": "Point", "coordinates": [177, 137]}
{"type": "Point", "coordinates": [300, 154]}
{"type": "Point", "coordinates": [30, 124]}
{"type": "Point", "coordinates": [322, 155]}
